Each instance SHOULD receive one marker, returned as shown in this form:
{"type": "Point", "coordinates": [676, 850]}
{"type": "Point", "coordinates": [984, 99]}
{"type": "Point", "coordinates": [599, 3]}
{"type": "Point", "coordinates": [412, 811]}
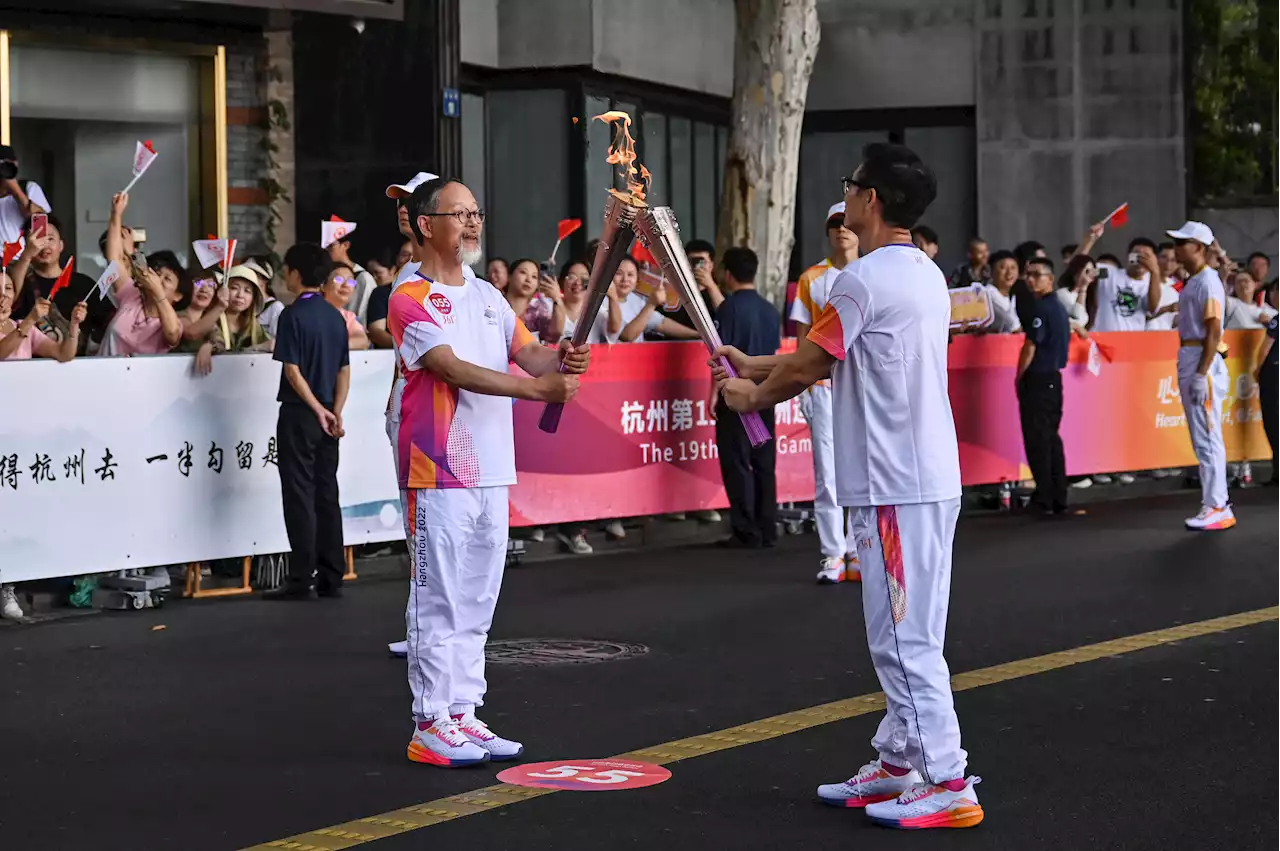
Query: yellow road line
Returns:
{"type": "Point", "coordinates": [403, 820]}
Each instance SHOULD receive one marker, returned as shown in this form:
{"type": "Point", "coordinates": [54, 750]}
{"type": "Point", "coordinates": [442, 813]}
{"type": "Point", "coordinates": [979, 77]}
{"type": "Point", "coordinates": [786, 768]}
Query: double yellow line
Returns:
{"type": "Point", "coordinates": [358, 832]}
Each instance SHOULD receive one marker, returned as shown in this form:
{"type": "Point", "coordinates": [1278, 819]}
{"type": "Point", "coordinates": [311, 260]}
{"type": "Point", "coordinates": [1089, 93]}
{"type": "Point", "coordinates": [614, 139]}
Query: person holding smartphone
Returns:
{"type": "Point", "coordinates": [17, 202]}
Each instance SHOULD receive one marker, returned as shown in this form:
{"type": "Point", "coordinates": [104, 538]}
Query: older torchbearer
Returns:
{"type": "Point", "coordinates": [455, 337]}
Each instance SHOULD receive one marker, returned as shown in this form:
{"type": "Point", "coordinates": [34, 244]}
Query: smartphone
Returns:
{"type": "Point", "coordinates": [39, 222]}
{"type": "Point", "coordinates": [702, 261]}
{"type": "Point", "coordinates": [1104, 271]}
{"type": "Point", "coordinates": [139, 235]}
{"type": "Point", "coordinates": [546, 267]}
{"type": "Point", "coordinates": [138, 261]}
{"type": "Point", "coordinates": [1135, 258]}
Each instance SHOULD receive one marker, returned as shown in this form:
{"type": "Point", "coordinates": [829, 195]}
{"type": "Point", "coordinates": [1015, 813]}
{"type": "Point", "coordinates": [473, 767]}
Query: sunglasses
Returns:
{"type": "Point", "coordinates": [850, 182]}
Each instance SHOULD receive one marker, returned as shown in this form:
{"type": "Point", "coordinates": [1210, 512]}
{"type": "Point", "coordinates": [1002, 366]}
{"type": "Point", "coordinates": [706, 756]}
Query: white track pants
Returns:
{"type": "Point", "coordinates": [835, 536]}
{"type": "Point", "coordinates": [393, 423]}
{"type": "Point", "coordinates": [457, 541]}
{"type": "Point", "coordinates": [1205, 424]}
{"type": "Point", "coordinates": [906, 585]}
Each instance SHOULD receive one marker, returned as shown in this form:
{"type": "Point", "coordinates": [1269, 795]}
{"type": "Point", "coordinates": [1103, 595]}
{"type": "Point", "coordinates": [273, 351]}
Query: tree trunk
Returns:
{"type": "Point", "coordinates": [775, 44]}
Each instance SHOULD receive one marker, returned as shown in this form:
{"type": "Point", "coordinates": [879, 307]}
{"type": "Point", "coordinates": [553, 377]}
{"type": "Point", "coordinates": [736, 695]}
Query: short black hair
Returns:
{"type": "Point", "coordinates": [694, 246]}
{"type": "Point", "coordinates": [57, 223]}
{"type": "Point", "coordinates": [1139, 241]}
{"type": "Point", "coordinates": [1002, 254]}
{"type": "Point", "coordinates": [501, 260]}
{"type": "Point", "coordinates": [1026, 250]}
{"type": "Point", "coordinates": [741, 262]}
{"type": "Point", "coordinates": [1164, 246]}
{"type": "Point", "coordinates": [926, 233]}
{"type": "Point", "coordinates": [511, 267]}
{"type": "Point", "coordinates": [166, 259]}
{"type": "Point", "coordinates": [1068, 250]}
{"type": "Point", "coordinates": [1109, 258]}
{"type": "Point", "coordinates": [976, 240]}
{"type": "Point", "coordinates": [311, 262]}
{"type": "Point", "coordinates": [904, 185]}
{"type": "Point", "coordinates": [426, 199]}
{"type": "Point", "coordinates": [1041, 261]}
{"type": "Point", "coordinates": [1247, 262]}
{"type": "Point", "coordinates": [569, 264]}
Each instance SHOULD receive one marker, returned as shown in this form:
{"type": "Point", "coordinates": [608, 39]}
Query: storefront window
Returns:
{"type": "Point", "coordinates": [76, 116]}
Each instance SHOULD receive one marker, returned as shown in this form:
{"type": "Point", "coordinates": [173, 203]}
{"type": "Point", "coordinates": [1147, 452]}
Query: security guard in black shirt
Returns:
{"type": "Point", "coordinates": [1269, 381]}
{"type": "Point", "coordinates": [1039, 383]}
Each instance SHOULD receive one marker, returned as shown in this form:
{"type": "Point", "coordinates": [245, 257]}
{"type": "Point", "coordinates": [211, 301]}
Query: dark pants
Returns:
{"type": "Point", "coordinates": [309, 490]}
{"type": "Point", "coordinates": [1267, 380]}
{"type": "Point", "coordinates": [1040, 402]}
{"type": "Point", "coordinates": [749, 479]}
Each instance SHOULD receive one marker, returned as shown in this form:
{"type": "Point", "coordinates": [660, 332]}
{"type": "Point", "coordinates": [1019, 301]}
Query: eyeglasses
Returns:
{"type": "Point", "coordinates": [850, 182]}
{"type": "Point", "coordinates": [340, 280]}
{"type": "Point", "coordinates": [204, 283]}
{"type": "Point", "coordinates": [464, 217]}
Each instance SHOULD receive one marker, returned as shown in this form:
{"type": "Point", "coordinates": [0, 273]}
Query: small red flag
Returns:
{"type": "Point", "coordinates": [642, 254]}
{"type": "Point", "coordinates": [1120, 217]}
{"type": "Point", "coordinates": [63, 279]}
{"type": "Point", "coordinates": [11, 250]}
{"type": "Point", "coordinates": [568, 226]}
{"type": "Point", "coordinates": [147, 145]}
{"type": "Point", "coordinates": [334, 218]}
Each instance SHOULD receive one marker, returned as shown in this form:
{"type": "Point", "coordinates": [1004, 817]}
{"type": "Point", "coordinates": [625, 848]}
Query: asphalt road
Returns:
{"type": "Point", "coordinates": [244, 722]}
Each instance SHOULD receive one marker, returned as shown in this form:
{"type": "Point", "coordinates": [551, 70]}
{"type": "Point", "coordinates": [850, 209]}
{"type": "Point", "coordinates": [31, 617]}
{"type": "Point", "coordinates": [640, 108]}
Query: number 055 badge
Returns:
{"type": "Point", "coordinates": [586, 775]}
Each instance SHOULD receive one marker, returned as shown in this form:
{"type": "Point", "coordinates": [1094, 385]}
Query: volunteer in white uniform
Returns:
{"type": "Point", "coordinates": [1202, 373]}
{"type": "Point", "coordinates": [883, 338]}
{"type": "Point", "coordinates": [835, 536]}
{"type": "Point", "coordinates": [455, 337]}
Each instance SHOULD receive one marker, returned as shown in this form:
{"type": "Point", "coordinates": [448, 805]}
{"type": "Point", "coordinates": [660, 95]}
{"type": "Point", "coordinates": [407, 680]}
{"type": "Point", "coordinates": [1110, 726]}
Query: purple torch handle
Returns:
{"type": "Point", "coordinates": [757, 431]}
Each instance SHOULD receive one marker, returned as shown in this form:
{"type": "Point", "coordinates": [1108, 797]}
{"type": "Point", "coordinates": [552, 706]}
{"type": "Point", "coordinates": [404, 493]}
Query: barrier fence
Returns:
{"type": "Point", "coordinates": [118, 463]}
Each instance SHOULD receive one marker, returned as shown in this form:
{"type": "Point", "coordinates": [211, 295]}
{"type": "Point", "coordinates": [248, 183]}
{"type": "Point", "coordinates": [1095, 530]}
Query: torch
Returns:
{"type": "Point", "coordinates": [615, 241]}
{"type": "Point", "coordinates": [660, 233]}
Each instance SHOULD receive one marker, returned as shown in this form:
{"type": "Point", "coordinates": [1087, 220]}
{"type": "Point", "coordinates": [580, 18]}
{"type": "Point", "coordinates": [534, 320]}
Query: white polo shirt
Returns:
{"type": "Point", "coordinates": [886, 324]}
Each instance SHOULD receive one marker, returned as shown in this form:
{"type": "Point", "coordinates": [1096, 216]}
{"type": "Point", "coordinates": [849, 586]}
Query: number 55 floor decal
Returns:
{"type": "Point", "coordinates": [586, 775]}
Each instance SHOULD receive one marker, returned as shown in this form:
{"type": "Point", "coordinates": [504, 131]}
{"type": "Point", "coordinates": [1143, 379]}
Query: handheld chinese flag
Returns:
{"type": "Point", "coordinates": [11, 250]}
{"type": "Point", "coordinates": [63, 279]}
{"type": "Point", "coordinates": [143, 156]}
{"type": "Point", "coordinates": [1119, 216]}
{"type": "Point", "coordinates": [563, 230]}
{"type": "Point", "coordinates": [109, 276]}
{"type": "Point", "coordinates": [334, 230]}
{"type": "Point", "coordinates": [642, 254]}
{"type": "Point", "coordinates": [214, 252]}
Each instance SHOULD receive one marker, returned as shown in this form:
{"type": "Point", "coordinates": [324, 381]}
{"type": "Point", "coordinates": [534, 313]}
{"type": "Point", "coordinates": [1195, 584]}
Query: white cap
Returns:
{"type": "Point", "coordinates": [836, 210]}
{"type": "Point", "coordinates": [403, 190]}
{"type": "Point", "coordinates": [1197, 231]}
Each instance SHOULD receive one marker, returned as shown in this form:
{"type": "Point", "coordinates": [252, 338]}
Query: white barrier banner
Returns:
{"type": "Point", "coordinates": [113, 463]}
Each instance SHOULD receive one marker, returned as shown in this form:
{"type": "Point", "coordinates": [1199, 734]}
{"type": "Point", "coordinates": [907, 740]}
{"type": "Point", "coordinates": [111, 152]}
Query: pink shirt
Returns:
{"type": "Point", "coordinates": [131, 331]}
{"type": "Point", "coordinates": [353, 321]}
{"type": "Point", "coordinates": [537, 317]}
{"type": "Point", "coordinates": [26, 349]}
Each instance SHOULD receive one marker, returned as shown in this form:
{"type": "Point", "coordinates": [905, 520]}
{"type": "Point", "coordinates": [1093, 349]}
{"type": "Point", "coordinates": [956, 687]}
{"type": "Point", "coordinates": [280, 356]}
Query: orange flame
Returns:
{"type": "Point", "coordinates": [623, 152]}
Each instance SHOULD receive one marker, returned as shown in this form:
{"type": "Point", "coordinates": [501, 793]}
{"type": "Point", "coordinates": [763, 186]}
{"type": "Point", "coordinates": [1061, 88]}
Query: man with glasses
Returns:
{"type": "Point", "coordinates": [1202, 373]}
{"type": "Point", "coordinates": [883, 340]}
{"type": "Point", "coordinates": [1039, 384]}
{"type": "Point", "coordinates": [455, 338]}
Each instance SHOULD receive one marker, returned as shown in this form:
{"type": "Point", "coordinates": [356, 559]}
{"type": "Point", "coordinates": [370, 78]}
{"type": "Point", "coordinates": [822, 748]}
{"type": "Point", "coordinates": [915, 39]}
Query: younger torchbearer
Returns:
{"type": "Point", "coordinates": [1202, 373]}
{"type": "Point", "coordinates": [455, 337]}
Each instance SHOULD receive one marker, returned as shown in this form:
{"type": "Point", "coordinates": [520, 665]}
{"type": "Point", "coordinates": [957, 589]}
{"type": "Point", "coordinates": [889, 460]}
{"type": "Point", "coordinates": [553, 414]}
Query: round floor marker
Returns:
{"type": "Point", "coordinates": [586, 775]}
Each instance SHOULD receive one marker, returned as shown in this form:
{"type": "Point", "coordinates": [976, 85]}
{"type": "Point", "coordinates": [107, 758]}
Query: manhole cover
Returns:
{"type": "Point", "coordinates": [558, 651]}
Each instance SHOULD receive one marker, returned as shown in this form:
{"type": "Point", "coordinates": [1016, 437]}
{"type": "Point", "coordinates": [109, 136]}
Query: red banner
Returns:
{"type": "Point", "coordinates": [639, 438]}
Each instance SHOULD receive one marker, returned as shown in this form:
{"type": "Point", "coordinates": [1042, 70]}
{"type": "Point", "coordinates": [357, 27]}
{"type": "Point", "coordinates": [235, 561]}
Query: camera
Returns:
{"type": "Point", "coordinates": [8, 170]}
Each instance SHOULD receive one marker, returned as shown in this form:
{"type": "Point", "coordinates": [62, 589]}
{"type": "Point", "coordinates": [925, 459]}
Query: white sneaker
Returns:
{"type": "Point", "coordinates": [1102, 479]}
{"type": "Point", "coordinates": [832, 571]}
{"type": "Point", "coordinates": [709, 516]}
{"type": "Point", "coordinates": [577, 544]}
{"type": "Point", "coordinates": [399, 648]}
{"type": "Point", "coordinates": [1160, 474]}
{"type": "Point", "coordinates": [9, 607]}
{"type": "Point", "coordinates": [538, 535]}
{"type": "Point", "coordinates": [614, 530]}
{"type": "Point", "coordinates": [1212, 519]}
{"type": "Point", "coordinates": [444, 744]}
{"type": "Point", "coordinates": [477, 731]}
{"type": "Point", "coordinates": [871, 785]}
{"type": "Point", "coordinates": [926, 805]}
{"type": "Point", "coordinates": [1086, 482]}
{"type": "Point", "coordinates": [1125, 478]}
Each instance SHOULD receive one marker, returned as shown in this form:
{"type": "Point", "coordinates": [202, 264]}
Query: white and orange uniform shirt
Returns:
{"type": "Point", "coordinates": [886, 324]}
{"type": "Point", "coordinates": [1203, 297]}
{"type": "Point", "coordinates": [812, 292]}
{"type": "Point", "coordinates": [453, 438]}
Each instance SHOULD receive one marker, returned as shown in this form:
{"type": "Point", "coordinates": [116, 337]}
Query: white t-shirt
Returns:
{"type": "Point", "coordinates": [630, 308]}
{"type": "Point", "coordinates": [1202, 298]}
{"type": "Point", "coordinates": [599, 328]}
{"type": "Point", "coordinates": [886, 323]}
{"type": "Point", "coordinates": [1122, 302]}
{"type": "Point", "coordinates": [11, 217]}
{"type": "Point", "coordinates": [453, 438]}
{"type": "Point", "coordinates": [1004, 309]}
{"type": "Point", "coordinates": [1164, 322]}
{"type": "Point", "coordinates": [1241, 315]}
{"type": "Point", "coordinates": [1076, 312]}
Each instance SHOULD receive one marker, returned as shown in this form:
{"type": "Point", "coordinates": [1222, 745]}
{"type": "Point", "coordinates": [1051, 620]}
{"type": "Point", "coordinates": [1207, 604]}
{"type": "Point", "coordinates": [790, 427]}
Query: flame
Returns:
{"type": "Point", "coordinates": [623, 152]}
